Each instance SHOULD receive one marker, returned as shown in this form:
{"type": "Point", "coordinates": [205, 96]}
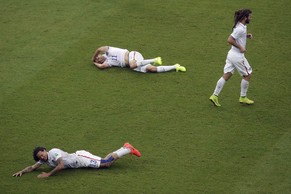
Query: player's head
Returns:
{"type": "Point", "coordinates": [39, 153]}
{"type": "Point", "coordinates": [100, 59]}
{"type": "Point", "coordinates": [242, 15]}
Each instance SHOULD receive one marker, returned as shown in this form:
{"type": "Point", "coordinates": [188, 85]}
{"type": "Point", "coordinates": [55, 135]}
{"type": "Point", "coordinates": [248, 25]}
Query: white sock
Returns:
{"type": "Point", "coordinates": [165, 68]}
{"type": "Point", "coordinates": [219, 85]}
{"type": "Point", "coordinates": [244, 85]}
{"type": "Point", "coordinates": [145, 62]}
{"type": "Point", "coordinates": [122, 151]}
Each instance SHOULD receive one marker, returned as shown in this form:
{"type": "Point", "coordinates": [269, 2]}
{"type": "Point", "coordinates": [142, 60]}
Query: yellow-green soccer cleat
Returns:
{"type": "Point", "coordinates": [180, 68]}
{"type": "Point", "coordinates": [158, 61]}
{"type": "Point", "coordinates": [245, 100]}
{"type": "Point", "coordinates": [214, 100]}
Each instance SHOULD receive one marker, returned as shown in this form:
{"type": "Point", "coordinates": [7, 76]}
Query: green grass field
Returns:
{"type": "Point", "coordinates": [51, 95]}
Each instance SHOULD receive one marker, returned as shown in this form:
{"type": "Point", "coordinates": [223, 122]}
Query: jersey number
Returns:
{"type": "Point", "coordinates": [93, 163]}
{"type": "Point", "coordinates": [114, 57]}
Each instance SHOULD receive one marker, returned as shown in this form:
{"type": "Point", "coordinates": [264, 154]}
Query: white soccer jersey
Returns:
{"type": "Point", "coordinates": [80, 159]}
{"type": "Point", "coordinates": [116, 57]}
{"type": "Point", "coordinates": [239, 33]}
{"type": "Point", "coordinates": [235, 59]}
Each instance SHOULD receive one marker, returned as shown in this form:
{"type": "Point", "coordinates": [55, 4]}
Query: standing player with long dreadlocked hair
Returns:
{"type": "Point", "coordinates": [235, 58]}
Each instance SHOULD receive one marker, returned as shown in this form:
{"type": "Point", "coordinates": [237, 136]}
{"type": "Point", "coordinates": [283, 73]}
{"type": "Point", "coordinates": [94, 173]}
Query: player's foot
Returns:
{"type": "Point", "coordinates": [214, 100]}
{"type": "Point", "coordinates": [180, 68]}
{"type": "Point", "coordinates": [158, 61]}
{"type": "Point", "coordinates": [245, 100]}
{"type": "Point", "coordinates": [132, 149]}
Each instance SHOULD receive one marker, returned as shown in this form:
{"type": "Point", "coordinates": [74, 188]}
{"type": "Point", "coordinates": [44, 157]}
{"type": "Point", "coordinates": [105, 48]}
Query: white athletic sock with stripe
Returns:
{"type": "Point", "coordinates": [122, 151]}
{"type": "Point", "coordinates": [219, 85]}
{"type": "Point", "coordinates": [145, 62]}
{"type": "Point", "coordinates": [165, 68]}
{"type": "Point", "coordinates": [244, 85]}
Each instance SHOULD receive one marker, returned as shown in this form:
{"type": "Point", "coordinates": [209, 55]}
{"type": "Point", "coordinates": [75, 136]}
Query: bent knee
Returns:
{"type": "Point", "coordinates": [247, 77]}
{"type": "Point", "coordinates": [227, 76]}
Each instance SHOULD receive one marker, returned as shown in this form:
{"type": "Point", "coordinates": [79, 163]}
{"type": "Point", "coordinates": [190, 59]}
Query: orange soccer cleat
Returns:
{"type": "Point", "coordinates": [132, 149]}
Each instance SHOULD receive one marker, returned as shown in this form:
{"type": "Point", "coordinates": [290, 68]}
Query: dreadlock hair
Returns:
{"type": "Point", "coordinates": [239, 15]}
{"type": "Point", "coordinates": [35, 151]}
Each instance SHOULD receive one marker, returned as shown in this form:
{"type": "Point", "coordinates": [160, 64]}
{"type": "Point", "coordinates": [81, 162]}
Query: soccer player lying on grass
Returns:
{"type": "Point", "coordinates": [107, 56]}
{"type": "Point", "coordinates": [59, 160]}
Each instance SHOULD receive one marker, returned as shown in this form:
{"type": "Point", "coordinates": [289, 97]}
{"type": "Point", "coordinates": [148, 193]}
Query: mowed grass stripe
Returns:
{"type": "Point", "coordinates": [271, 171]}
{"type": "Point", "coordinates": [39, 37]}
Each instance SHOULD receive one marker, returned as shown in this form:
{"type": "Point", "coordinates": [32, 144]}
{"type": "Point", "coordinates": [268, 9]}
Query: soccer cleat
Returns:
{"type": "Point", "coordinates": [180, 68]}
{"type": "Point", "coordinates": [245, 100]}
{"type": "Point", "coordinates": [214, 100]}
{"type": "Point", "coordinates": [158, 61]}
{"type": "Point", "coordinates": [132, 149]}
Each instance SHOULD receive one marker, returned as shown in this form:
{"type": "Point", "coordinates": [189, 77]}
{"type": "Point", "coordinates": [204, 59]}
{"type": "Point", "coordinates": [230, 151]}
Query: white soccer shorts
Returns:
{"type": "Point", "coordinates": [87, 160]}
{"type": "Point", "coordinates": [237, 61]}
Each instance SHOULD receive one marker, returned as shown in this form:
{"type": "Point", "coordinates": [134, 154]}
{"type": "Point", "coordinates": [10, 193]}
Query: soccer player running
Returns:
{"type": "Point", "coordinates": [108, 56]}
{"type": "Point", "coordinates": [59, 159]}
{"type": "Point", "coordinates": [236, 59]}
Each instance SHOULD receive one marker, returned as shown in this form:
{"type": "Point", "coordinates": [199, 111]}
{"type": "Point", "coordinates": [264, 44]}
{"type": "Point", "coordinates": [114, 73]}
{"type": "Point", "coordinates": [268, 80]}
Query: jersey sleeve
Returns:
{"type": "Point", "coordinates": [237, 32]}
{"type": "Point", "coordinates": [56, 154]}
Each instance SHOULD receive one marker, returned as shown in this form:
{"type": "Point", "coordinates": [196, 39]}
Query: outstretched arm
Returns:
{"type": "Point", "coordinates": [99, 51]}
{"type": "Point", "coordinates": [27, 169]}
{"type": "Point", "coordinates": [58, 168]}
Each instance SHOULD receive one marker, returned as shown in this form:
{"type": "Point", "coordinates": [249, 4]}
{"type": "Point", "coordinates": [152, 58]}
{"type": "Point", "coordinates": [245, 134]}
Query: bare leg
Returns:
{"type": "Point", "coordinates": [109, 160]}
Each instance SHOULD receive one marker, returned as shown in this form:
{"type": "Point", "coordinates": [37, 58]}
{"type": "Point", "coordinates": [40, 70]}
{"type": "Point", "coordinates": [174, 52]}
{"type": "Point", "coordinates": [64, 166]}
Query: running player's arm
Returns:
{"type": "Point", "coordinates": [231, 40]}
{"type": "Point", "coordinates": [99, 51]}
{"type": "Point", "coordinates": [27, 169]}
{"type": "Point", "coordinates": [58, 168]}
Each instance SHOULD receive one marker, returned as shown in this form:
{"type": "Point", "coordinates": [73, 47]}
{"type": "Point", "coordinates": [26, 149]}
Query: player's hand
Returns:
{"type": "Point", "coordinates": [242, 49]}
{"type": "Point", "coordinates": [17, 174]}
{"type": "Point", "coordinates": [250, 36]}
{"type": "Point", "coordinates": [43, 175]}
